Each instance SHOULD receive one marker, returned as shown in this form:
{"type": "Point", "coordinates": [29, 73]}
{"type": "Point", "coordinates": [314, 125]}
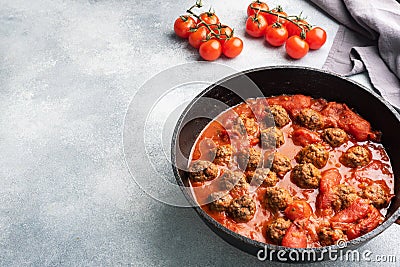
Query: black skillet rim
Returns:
{"type": "Point", "coordinates": [352, 243]}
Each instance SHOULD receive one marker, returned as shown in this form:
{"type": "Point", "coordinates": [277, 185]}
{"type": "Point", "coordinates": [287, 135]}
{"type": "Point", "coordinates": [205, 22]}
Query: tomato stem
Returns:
{"type": "Point", "coordinates": [202, 22]}
{"type": "Point", "coordinates": [279, 8]}
{"type": "Point", "coordinates": [184, 18]}
{"type": "Point", "coordinates": [256, 20]}
{"type": "Point", "coordinates": [301, 25]}
{"type": "Point", "coordinates": [213, 32]}
{"type": "Point", "coordinates": [198, 4]}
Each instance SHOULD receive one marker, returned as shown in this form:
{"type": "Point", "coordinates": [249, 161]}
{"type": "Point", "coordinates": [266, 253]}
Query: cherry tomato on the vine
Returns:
{"type": "Point", "coordinates": [256, 25]}
{"type": "Point", "coordinates": [271, 19]}
{"type": "Point", "coordinates": [257, 5]}
{"type": "Point", "coordinates": [296, 47]}
{"type": "Point", "coordinates": [232, 47]}
{"type": "Point", "coordinates": [182, 26]}
{"type": "Point", "coordinates": [293, 29]}
{"type": "Point", "coordinates": [316, 38]}
{"type": "Point", "coordinates": [198, 37]}
{"type": "Point", "coordinates": [209, 18]}
{"type": "Point", "coordinates": [210, 50]}
{"type": "Point", "coordinates": [224, 32]}
{"type": "Point", "coordinates": [276, 35]}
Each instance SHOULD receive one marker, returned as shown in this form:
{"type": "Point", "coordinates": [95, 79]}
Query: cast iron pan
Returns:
{"type": "Point", "coordinates": [288, 80]}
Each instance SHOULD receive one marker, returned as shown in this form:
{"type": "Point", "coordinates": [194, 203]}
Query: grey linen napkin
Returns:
{"type": "Point", "coordinates": [370, 41]}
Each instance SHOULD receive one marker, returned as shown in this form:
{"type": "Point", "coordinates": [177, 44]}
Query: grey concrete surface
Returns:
{"type": "Point", "coordinates": [68, 70]}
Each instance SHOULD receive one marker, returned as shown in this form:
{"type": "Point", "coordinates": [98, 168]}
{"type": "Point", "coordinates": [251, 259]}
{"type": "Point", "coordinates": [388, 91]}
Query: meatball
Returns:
{"type": "Point", "coordinates": [244, 124]}
{"type": "Point", "coordinates": [272, 138]}
{"type": "Point", "coordinates": [315, 154]}
{"type": "Point", "coordinates": [223, 154]}
{"type": "Point", "coordinates": [251, 125]}
{"type": "Point", "coordinates": [242, 209]}
{"type": "Point", "coordinates": [220, 201]}
{"type": "Point", "coordinates": [306, 176]}
{"type": "Point", "coordinates": [264, 177]}
{"type": "Point", "coordinates": [335, 136]}
{"type": "Point", "coordinates": [343, 196]}
{"type": "Point", "coordinates": [276, 230]}
{"type": "Point", "coordinates": [249, 159]}
{"type": "Point", "coordinates": [356, 156]}
{"type": "Point", "coordinates": [277, 198]}
{"type": "Point", "coordinates": [238, 127]}
{"type": "Point", "coordinates": [202, 170]}
{"type": "Point", "coordinates": [281, 117]}
{"type": "Point", "coordinates": [281, 164]}
{"type": "Point", "coordinates": [378, 196]}
{"type": "Point", "coordinates": [310, 119]}
{"type": "Point", "coordinates": [328, 236]}
{"type": "Point", "coordinates": [233, 179]}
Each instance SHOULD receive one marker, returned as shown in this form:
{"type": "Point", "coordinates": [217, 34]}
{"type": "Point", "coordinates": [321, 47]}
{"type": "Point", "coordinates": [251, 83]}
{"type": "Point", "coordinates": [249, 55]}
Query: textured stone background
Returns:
{"type": "Point", "coordinates": [68, 70]}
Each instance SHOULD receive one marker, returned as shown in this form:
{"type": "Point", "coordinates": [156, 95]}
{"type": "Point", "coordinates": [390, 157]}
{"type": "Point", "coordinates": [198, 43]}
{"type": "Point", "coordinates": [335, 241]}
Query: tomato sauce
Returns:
{"type": "Point", "coordinates": [335, 115]}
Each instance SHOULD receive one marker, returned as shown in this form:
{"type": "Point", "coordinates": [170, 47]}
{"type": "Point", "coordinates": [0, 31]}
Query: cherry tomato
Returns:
{"type": "Point", "coordinates": [276, 35]}
{"type": "Point", "coordinates": [256, 4]}
{"type": "Point", "coordinates": [293, 29]}
{"type": "Point", "coordinates": [304, 137]}
{"type": "Point", "coordinates": [298, 209]}
{"type": "Point", "coordinates": [296, 47]}
{"type": "Point", "coordinates": [225, 33]}
{"type": "Point", "coordinates": [316, 38]}
{"type": "Point", "coordinates": [182, 26]}
{"type": "Point", "coordinates": [357, 210]}
{"type": "Point", "coordinates": [369, 223]}
{"type": "Point", "coordinates": [210, 50]}
{"type": "Point", "coordinates": [209, 18]}
{"type": "Point", "coordinates": [330, 178]}
{"type": "Point", "coordinates": [232, 47]}
{"type": "Point", "coordinates": [295, 237]}
{"type": "Point", "coordinates": [271, 19]}
{"type": "Point", "coordinates": [198, 37]}
{"type": "Point", "coordinates": [256, 25]}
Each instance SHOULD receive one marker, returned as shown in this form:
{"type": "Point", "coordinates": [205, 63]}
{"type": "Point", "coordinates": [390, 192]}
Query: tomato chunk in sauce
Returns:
{"type": "Point", "coordinates": [293, 171]}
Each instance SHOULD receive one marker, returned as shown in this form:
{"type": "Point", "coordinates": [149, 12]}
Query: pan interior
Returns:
{"type": "Point", "coordinates": [278, 81]}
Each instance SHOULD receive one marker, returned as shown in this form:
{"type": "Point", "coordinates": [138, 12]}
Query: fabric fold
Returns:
{"type": "Point", "coordinates": [368, 41]}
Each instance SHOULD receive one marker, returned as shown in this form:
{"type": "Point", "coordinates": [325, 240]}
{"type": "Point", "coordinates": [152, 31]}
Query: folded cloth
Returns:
{"type": "Point", "coordinates": [370, 41]}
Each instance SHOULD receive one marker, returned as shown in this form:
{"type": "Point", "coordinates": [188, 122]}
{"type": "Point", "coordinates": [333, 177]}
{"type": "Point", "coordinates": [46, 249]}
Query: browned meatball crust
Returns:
{"type": "Point", "coordinates": [272, 138]}
{"type": "Point", "coordinates": [328, 236]}
{"type": "Point", "coordinates": [223, 154]}
{"type": "Point", "coordinates": [264, 177]}
{"type": "Point", "coordinates": [276, 230]}
{"type": "Point", "coordinates": [306, 176]}
{"type": "Point", "coordinates": [249, 159]}
{"type": "Point", "coordinates": [377, 195]}
{"type": "Point", "coordinates": [242, 209]}
{"type": "Point", "coordinates": [238, 127]}
{"type": "Point", "coordinates": [310, 119]}
{"type": "Point", "coordinates": [281, 164]}
{"type": "Point", "coordinates": [245, 125]}
{"type": "Point", "coordinates": [315, 154]}
{"type": "Point", "coordinates": [202, 170]}
{"type": "Point", "coordinates": [251, 125]}
{"type": "Point", "coordinates": [281, 117]}
{"type": "Point", "coordinates": [277, 198]}
{"type": "Point", "coordinates": [335, 136]}
{"type": "Point", "coordinates": [232, 179]}
{"type": "Point", "coordinates": [356, 156]}
{"type": "Point", "coordinates": [220, 201]}
{"type": "Point", "coordinates": [343, 196]}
